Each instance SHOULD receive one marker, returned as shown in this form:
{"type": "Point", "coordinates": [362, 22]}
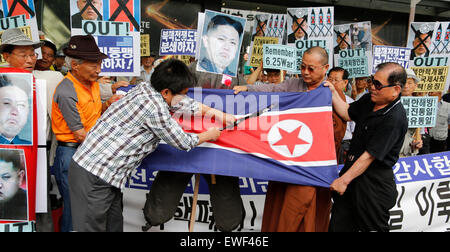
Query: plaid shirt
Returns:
{"type": "Point", "coordinates": [130, 130]}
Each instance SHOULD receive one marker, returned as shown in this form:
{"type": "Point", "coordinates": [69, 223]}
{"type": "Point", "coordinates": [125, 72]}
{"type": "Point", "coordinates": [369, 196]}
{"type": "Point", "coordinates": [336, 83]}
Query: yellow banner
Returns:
{"type": "Point", "coordinates": [145, 44]}
{"type": "Point", "coordinates": [257, 49]}
{"type": "Point", "coordinates": [433, 79]}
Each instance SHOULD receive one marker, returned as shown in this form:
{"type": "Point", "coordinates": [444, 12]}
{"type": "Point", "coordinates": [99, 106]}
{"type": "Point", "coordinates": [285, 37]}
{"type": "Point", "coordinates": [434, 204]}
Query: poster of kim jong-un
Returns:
{"type": "Point", "coordinates": [220, 43]}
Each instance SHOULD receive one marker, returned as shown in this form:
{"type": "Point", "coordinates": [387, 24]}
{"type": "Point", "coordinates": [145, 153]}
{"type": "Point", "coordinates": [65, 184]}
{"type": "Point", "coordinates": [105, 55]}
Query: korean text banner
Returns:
{"type": "Point", "coordinates": [382, 54]}
{"type": "Point", "coordinates": [178, 42]}
{"type": "Point", "coordinates": [421, 111]}
{"type": "Point", "coordinates": [284, 144]}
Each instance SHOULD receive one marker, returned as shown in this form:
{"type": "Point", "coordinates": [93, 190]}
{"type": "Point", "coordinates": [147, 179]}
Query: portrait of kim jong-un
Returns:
{"type": "Point", "coordinates": [220, 43]}
{"type": "Point", "coordinates": [16, 116]}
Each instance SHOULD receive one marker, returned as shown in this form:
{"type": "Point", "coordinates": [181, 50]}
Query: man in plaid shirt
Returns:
{"type": "Point", "coordinates": [129, 131]}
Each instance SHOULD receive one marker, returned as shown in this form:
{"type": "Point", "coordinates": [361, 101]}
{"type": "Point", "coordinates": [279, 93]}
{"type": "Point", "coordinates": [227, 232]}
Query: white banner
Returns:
{"type": "Point", "coordinates": [423, 204]}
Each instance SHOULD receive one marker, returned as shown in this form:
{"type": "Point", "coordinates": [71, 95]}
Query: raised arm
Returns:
{"type": "Point", "coordinates": [340, 106]}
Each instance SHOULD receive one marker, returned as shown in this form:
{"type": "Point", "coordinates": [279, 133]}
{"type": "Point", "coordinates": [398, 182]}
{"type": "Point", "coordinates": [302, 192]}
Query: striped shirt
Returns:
{"type": "Point", "coordinates": [129, 131]}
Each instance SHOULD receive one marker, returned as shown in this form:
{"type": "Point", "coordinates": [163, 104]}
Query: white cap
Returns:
{"type": "Point", "coordinates": [412, 75]}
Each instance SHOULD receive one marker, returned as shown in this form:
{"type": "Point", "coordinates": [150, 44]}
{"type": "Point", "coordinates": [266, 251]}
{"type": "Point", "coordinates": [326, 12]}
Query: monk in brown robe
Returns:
{"type": "Point", "coordinates": [299, 208]}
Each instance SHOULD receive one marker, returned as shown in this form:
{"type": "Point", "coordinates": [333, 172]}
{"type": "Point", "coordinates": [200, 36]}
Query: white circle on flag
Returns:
{"type": "Point", "coordinates": [290, 138]}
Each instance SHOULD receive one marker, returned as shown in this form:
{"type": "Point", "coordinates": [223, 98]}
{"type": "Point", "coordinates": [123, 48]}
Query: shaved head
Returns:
{"type": "Point", "coordinates": [319, 51]}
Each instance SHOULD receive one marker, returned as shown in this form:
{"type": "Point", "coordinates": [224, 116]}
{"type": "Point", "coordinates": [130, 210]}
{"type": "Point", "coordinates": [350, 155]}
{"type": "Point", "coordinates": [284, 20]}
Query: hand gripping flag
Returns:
{"type": "Point", "coordinates": [290, 140]}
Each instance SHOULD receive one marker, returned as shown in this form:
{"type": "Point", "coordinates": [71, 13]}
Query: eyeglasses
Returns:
{"type": "Point", "coordinates": [25, 56]}
{"type": "Point", "coordinates": [377, 84]}
{"type": "Point", "coordinates": [310, 68]}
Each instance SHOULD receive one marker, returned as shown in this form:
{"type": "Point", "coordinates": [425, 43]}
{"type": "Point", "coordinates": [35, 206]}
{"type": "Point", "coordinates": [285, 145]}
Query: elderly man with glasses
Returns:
{"type": "Point", "coordinates": [366, 189]}
{"type": "Point", "coordinates": [298, 208]}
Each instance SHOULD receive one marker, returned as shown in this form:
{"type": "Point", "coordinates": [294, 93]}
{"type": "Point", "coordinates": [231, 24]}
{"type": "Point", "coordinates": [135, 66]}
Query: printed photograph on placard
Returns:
{"type": "Point", "coordinates": [361, 35]}
{"type": "Point", "coordinates": [353, 48]}
{"type": "Point", "coordinates": [276, 24]}
{"type": "Point", "coordinates": [13, 189]}
{"type": "Point", "coordinates": [420, 39]}
{"type": "Point", "coordinates": [260, 27]}
{"type": "Point", "coordinates": [16, 115]}
{"type": "Point", "coordinates": [85, 10]}
{"type": "Point", "coordinates": [297, 24]}
{"type": "Point", "coordinates": [342, 38]}
{"type": "Point", "coordinates": [441, 39]}
{"type": "Point", "coordinates": [220, 43]}
{"type": "Point", "coordinates": [310, 24]}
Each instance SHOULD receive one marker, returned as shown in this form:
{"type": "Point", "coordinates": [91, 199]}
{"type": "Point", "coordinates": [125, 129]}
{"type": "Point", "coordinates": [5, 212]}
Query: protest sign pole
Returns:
{"type": "Point", "coordinates": [417, 136]}
{"type": "Point", "coordinates": [194, 203]}
{"type": "Point", "coordinates": [412, 13]}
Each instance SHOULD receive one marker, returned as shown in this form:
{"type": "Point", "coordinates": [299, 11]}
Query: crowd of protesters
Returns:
{"type": "Point", "coordinates": [84, 110]}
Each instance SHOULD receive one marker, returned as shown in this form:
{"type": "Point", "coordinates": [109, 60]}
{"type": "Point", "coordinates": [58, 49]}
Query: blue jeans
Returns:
{"type": "Point", "coordinates": [61, 171]}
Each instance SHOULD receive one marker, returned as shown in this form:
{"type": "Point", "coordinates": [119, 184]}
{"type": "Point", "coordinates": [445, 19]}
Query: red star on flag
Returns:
{"type": "Point", "coordinates": [290, 139]}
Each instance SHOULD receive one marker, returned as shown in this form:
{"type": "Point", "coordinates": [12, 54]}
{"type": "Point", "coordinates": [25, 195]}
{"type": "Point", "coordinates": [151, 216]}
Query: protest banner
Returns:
{"type": "Point", "coordinates": [12, 22]}
{"type": "Point", "coordinates": [356, 37]}
{"type": "Point", "coordinates": [430, 47]}
{"type": "Point", "coordinates": [421, 111]}
{"type": "Point", "coordinates": [276, 26]}
{"type": "Point", "coordinates": [14, 9]}
{"type": "Point", "coordinates": [441, 39]}
{"type": "Point", "coordinates": [355, 61]}
{"type": "Point", "coordinates": [105, 28]}
{"type": "Point", "coordinates": [433, 79]}
{"type": "Point", "coordinates": [145, 45]}
{"type": "Point", "coordinates": [311, 24]}
{"type": "Point", "coordinates": [280, 57]}
{"type": "Point", "coordinates": [382, 54]}
{"type": "Point", "coordinates": [120, 50]}
{"type": "Point", "coordinates": [178, 42]}
{"type": "Point", "coordinates": [145, 37]}
{"type": "Point", "coordinates": [420, 39]}
{"type": "Point", "coordinates": [257, 49]}
{"type": "Point", "coordinates": [423, 203]}
{"type": "Point", "coordinates": [115, 24]}
{"type": "Point", "coordinates": [303, 45]}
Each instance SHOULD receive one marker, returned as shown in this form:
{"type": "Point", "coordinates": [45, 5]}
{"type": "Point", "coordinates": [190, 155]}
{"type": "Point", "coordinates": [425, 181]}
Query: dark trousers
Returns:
{"type": "Point", "coordinates": [448, 141]}
{"type": "Point", "coordinates": [437, 146]}
{"type": "Point", "coordinates": [61, 169]}
{"type": "Point", "coordinates": [168, 188]}
{"type": "Point", "coordinates": [364, 207]}
{"type": "Point", "coordinates": [96, 205]}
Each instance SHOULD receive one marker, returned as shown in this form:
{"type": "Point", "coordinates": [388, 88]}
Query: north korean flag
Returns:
{"type": "Point", "coordinates": [291, 141]}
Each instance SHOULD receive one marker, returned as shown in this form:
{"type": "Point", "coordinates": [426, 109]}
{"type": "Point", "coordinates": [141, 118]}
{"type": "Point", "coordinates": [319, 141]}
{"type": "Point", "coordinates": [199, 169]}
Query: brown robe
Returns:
{"type": "Point", "coordinates": [298, 208]}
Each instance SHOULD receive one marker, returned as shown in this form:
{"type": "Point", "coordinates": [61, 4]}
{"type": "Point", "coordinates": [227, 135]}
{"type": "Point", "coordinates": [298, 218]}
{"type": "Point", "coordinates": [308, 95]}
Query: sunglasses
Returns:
{"type": "Point", "coordinates": [310, 68]}
{"type": "Point", "coordinates": [377, 84]}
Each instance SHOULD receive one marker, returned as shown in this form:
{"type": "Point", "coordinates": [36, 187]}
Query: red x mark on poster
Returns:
{"type": "Point", "coordinates": [122, 11]}
{"type": "Point", "coordinates": [20, 7]}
